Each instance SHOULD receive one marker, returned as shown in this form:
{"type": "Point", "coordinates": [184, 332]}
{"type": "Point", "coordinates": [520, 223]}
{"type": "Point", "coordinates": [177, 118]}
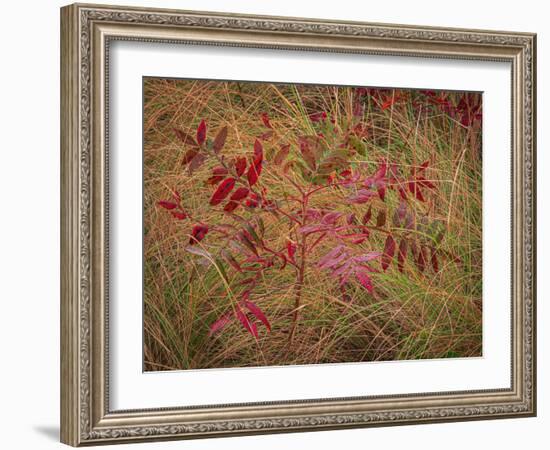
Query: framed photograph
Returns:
{"type": "Point", "coordinates": [275, 224]}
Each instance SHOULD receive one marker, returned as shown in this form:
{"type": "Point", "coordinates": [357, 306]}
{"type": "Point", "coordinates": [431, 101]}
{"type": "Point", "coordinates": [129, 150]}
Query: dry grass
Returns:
{"type": "Point", "coordinates": [410, 314]}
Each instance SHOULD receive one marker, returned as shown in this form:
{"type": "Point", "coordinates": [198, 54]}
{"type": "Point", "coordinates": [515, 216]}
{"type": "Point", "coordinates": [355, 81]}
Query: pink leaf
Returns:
{"type": "Point", "coordinates": [315, 228]}
{"type": "Point", "coordinates": [381, 172]}
{"type": "Point", "coordinates": [331, 218]}
{"type": "Point", "coordinates": [258, 313]}
{"type": "Point", "coordinates": [362, 196]}
{"type": "Point", "coordinates": [329, 259]}
{"type": "Point", "coordinates": [370, 256]}
{"type": "Point", "coordinates": [291, 249]}
{"type": "Point", "coordinates": [221, 323]}
{"type": "Point", "coordinates": [365, 280]}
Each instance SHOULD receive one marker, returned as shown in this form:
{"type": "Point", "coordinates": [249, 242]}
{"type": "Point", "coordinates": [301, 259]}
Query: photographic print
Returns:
{"type": "Point", "coordinates": [355, 247]}
{"type": "Point", "coordinates": [306, 224]}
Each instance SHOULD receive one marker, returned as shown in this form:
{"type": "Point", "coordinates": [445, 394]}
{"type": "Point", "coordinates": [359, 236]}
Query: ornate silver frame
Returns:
{"type": "Point", "coordinates": [86, 31]}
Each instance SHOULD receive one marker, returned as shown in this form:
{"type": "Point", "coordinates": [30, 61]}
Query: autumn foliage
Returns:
{"type": "Point", "coordinates": [328, 199]}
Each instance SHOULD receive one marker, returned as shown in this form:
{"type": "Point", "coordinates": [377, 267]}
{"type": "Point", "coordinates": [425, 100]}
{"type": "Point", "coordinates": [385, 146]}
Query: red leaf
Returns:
{"type": "Point", "coordinates": [240, 165]}
{"type": "Point", "coordinates": [196, 162]}
{"type": "Point", "coordinates": [402, 254]}
{"type": "Point", "coordinates": [388, 103]}
{"type": "Point", "coordinates": [382, 192]}
{"type": "Point", "coordinates": [255, 168]}
{"type": "Point", "coordinates": [179, 215]}
{"type": "Point", "coordinates": [381, 171]}
{"type": "Point", "coordinates": [245, 321]}
{"type": "Point", "coordinates": [231, 260]}
{"type": "Point", "coordinates": [258, 313]}
{"type": "Point", "coordinates": [219, 141]}
{"type": "Point", "coordinates": [401, 211]}
{"type": "Point", "coordinates": [239, 194]}
{"type": "Point", "coordinates": [333, 257]}
{"type": "Point", "coordinates": [167, 205]}
{"type": "Point", "coordinates": [425, 183]}
{"type": "Point", "coordinates": [265, 120]}
{"type": "Point", "coordinates": [198, 233]}
{"type": "Point", "coordinates": [435, 264]}
{"type": "Point", "coordinates": [381, 219]}
{"type": "Point", "coordinates": [418, 194]}
{"type": "Point", "coordinates": [291, 249]}
{"type": "Point", "coordinates": [415, 189]}
{"type": "Point", "coordinates": [317, 117]}
{"type": "Point", "coordinates": [265, 136]}
{"type": "Point", "coordinates": [252, 200]}
{"type": "Point", "coordinates": [281, 154]}
{"type": "Point", "coordinates": [243, 237]}
{"type": "Point", "coordinates": [365, 280]}
{"type": "Point", "coordinates": [367, 216]}
{"type": "Point", "coordinates": [184, 137]}
{"type": "Point", "coordinates": [223, 190]}
{"type": "Point", "coordinates": [389, 250]}
{"type": "Point", "coordinates": [219, 324]}
{"type": "Point", "coordinates": [231, 206]}
{"type": "Point", "coordinates": [253, 173]}
{"type": "Point", "coordinates": [201, 132]}
{"type": "Point", "coordinates": [189, 155]}
{"type": "Point", "coordinates": [346, 173]}
{"type": "Point", "coordinates": [258, 152]}
{"type": "Point", "coordinates": [218, 174]}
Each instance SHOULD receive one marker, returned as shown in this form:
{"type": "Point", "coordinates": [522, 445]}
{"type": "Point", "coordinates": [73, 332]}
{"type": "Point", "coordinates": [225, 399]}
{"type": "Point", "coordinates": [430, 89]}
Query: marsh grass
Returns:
{"type": "Point", "coordinates": [409, 315]}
